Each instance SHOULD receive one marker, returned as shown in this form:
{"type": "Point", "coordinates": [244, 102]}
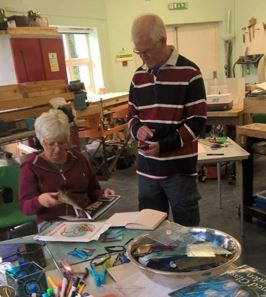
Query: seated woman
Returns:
{"type": "Point", "coordinates": [55, 168]}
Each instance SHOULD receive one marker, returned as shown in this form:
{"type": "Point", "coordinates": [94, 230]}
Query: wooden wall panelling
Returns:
{"type": "Point", "coordinates": [10, 92]}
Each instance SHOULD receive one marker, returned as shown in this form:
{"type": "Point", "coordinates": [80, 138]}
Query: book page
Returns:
{"type": "Point", "coordinates": [72, 232]}
{"type": "Point", "coordinates": [147, 219]}
{"type": "Point", "coordinates": [121, 219]}
{"type": "Point", "coordinates": [95, 209]}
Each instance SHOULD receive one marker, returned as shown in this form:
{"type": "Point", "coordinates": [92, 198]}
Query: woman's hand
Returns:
{"type": "Point", "coordinates": [108, 192]}
{"type": "Point", "coordinates": [49, 199]}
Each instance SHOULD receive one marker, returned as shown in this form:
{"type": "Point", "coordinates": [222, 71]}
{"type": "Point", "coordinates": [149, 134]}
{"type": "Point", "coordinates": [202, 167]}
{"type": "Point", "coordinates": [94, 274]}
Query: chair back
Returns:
{"type": "Point", "coordinates": [10, 213]}
{"type": "Point", "coordinates": [255, 110]}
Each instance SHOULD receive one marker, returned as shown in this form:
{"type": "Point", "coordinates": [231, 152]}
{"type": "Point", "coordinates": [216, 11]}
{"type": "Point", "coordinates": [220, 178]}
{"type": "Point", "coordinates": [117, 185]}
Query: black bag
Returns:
{"type": "Point", "coordinates": [68, 111]}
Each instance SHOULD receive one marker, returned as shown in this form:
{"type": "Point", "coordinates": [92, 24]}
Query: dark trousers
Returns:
{"type": "Point", "coordinates": [180, 192]}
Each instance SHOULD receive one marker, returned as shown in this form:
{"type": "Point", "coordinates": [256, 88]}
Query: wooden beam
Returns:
{"type": "Point", "coordinates": [32, 101]}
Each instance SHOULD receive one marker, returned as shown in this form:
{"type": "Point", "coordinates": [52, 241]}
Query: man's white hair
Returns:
{"type": "Point", "coordinates": [148, 25]}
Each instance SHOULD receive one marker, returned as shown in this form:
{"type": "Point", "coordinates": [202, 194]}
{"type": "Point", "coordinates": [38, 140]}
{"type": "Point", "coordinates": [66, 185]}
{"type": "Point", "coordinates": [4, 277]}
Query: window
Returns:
{"type": "Point", "coordinates": [80, 63]}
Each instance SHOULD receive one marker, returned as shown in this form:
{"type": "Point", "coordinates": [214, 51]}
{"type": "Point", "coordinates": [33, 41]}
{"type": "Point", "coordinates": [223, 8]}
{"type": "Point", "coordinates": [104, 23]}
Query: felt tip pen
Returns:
{"type": "Point", "coordinates": [215, 154]}
{"type": "Point", "coordinates": [73, 290]}
{"type": "Point", "coordinates": [81, 287]}
{"type": "Point", "coordinates": [51, 282]}
{"type": "Point", "coordinates": [64, 285]}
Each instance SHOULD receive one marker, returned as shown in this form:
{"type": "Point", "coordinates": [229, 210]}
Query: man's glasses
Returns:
{"type": "Point", "coordinates": [147, 52]}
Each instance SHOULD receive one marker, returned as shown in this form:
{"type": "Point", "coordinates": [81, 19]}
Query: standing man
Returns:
{"type": "Point", "coordinates": [166, 112]}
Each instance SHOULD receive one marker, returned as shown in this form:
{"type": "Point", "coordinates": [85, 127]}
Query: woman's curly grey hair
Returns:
{"type": "Point", "coordinates": [52, 125]}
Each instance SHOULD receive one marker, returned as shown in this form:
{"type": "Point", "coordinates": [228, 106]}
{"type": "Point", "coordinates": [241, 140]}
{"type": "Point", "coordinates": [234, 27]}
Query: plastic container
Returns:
{"type": "Point", "coordinates": [32, 252]}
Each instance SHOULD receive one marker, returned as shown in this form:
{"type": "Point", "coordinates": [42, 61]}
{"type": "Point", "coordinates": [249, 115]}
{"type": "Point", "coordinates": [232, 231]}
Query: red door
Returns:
{"type": "Point", "coordinates": [27, 59]}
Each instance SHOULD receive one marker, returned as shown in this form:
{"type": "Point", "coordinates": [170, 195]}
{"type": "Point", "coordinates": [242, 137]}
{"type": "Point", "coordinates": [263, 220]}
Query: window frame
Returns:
{"type": "Point", "coordinates": [72, 62]}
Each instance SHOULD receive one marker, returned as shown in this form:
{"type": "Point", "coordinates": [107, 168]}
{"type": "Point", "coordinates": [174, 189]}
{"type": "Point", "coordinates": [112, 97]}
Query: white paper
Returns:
{"type": "Point", "coordinates": [146, 219]}
{"type": "Point", "coordinates": [132, 282]}
{"type": "Point", "coordinates": [73, 232]}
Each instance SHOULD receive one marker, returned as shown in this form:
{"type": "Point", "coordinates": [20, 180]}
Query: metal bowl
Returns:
{"type": "Point", "coordinates": [171, 278]}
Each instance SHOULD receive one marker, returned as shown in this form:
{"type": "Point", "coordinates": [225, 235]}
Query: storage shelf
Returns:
{"type": "Point", "coordinates": [30, 31]}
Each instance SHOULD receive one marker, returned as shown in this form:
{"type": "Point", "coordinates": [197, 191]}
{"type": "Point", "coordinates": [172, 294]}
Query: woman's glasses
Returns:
{"type": "Point", "coordinates": [53, 144]}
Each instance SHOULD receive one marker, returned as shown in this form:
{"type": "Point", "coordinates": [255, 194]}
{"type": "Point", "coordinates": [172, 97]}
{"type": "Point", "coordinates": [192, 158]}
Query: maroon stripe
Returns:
{"type": "Point", "coordinates": [185, 134]}
{"type": "Point", "coordinates": [197, 109]}
{"type": "Point", "coordinates": [143, 78]}
{"type": "Point", "coordinates": [161, 113]}
{"type": "Point", "coordinates": [177, 75]}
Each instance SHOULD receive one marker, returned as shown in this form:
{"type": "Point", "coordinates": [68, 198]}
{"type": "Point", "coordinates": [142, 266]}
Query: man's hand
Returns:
{"type": "Point", "coordinates": [144, 133]}
{"type": "Point", "coordinates": [152, 149]}
{"type": "Point", "coordinates": [49, 199]}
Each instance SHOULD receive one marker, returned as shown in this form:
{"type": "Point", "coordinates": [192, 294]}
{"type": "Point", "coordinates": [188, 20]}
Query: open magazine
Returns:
{"type": "Point", "coordinates": [72, 232]}
{"type": "Point", "coordinates": [93, 210]}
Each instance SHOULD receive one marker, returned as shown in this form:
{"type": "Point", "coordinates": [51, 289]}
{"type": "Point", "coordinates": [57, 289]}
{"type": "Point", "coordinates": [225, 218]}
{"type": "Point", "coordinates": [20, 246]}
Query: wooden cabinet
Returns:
{"type": "Point", "coordinates": [27, 59]}
{"type": "Point", "coordinates": [31, 58]}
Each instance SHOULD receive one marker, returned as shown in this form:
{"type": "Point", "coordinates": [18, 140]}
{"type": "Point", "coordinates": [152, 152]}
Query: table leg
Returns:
{"type": "Point", "coordinates": [241, 195]}
{"type": "Point", "coordinates": [248, 172]}
{"type": "Point", "coordinates": [219, 183]}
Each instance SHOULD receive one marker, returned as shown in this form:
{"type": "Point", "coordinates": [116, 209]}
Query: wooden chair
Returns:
{"type": "Point", "coordinates": [112, 141]}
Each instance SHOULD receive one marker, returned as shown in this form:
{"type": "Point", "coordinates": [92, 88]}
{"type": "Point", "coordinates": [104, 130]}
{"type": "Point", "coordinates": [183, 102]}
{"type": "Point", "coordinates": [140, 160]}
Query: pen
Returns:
{"type": "Point", "coordinates": [215, 154]}
{"type": "Point", "coordinates": [64, 285]}
{"type": "Point", "coordinates": [51, 281]}
{"type": "Point", "coordinates": [81, 287]}
{"type": "Point", "coordinates": [73, 292]}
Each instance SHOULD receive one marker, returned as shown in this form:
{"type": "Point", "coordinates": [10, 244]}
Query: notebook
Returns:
{"type": "Point", "coordinates": [146, 219]}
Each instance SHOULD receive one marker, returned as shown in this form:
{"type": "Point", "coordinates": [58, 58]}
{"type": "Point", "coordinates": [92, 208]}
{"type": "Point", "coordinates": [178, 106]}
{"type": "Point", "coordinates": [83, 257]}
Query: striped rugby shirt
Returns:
{"type": "Point", "coordinates": [173, 102]}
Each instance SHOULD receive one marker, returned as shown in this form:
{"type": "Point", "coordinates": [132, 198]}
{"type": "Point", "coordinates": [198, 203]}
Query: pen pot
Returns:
{"type": "Point", "coordinates": [22, 277]}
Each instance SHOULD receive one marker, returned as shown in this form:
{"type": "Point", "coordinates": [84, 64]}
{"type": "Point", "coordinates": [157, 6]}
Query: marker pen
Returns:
{"type": "Point", "coordinates": [64, 285]}
{"type": "Point", "coordinates": [81, 287]}
{"type": "Point", "coordinates": [72, 292]}
{"type": "Point", "coordinates": [51, 282]}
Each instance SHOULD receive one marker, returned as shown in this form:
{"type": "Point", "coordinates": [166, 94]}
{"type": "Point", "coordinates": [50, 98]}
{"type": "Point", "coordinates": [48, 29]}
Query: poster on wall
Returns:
{"type": "Point", "coordinates": [53, 61]}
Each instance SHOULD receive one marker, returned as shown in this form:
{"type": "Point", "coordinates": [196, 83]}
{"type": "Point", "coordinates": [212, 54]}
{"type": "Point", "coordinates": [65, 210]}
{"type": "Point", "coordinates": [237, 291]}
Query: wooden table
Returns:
{"type": "Point", "coordinates": [252, 133]}
{"type": "Point", "coordinates": [232, 152]}
{"type": "Point", "coordinates": [110, 99]}
{"type": "Point", "coordinates": [232, 117]}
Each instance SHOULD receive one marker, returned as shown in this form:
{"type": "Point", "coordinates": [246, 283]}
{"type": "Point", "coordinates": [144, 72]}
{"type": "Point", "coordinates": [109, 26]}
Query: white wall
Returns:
{"type": "Point", "coordinates": [121, 13]}
{"type": "Point", "coordinates": [113, 19]}
{"type": "Point", "coordinates": [79, 13]}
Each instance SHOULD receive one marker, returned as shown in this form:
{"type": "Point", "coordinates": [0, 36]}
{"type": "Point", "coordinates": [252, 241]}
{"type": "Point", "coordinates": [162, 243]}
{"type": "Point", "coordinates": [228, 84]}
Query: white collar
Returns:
{"type": "Point", "coordinates": [171, 60]}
